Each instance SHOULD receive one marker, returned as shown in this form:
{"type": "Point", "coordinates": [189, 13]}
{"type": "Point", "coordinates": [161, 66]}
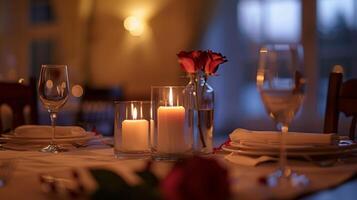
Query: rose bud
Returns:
{"type": "Point", "coordinates": [196, 178]}
{"type": "Point", "coordinates": [189, 61]}
{"type": "Point", "coordinates": [213, 61]}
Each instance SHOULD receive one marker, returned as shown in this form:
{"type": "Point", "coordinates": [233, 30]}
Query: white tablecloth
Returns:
{"type": "Point", "coordinates": [24, 183]}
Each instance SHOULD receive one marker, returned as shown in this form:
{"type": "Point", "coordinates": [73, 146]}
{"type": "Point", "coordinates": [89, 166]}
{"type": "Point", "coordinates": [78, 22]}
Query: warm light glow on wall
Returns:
{"type": "Point", "coordinates": [134, 25]}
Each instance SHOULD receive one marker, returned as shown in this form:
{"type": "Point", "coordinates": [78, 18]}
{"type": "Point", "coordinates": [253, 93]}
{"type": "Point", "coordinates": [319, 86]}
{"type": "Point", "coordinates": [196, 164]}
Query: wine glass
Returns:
{"type": "Point", "coordinates": [281, 85]}
{"type": "Point", "coordinates": [53, 92]}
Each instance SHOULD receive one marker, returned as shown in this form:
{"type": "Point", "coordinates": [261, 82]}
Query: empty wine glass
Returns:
{"type": "Point", "coordinates": [53, 92]}
{"type": "Point", "coordinates": [281, 85]}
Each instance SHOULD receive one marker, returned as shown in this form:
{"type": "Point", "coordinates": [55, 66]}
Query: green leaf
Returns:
{"type": "Point", "coordinates": [110, 185]}
{"type": "Point", "coordinates": [146, 192]}
{"type": "Point", "coordinates": [148, 178]}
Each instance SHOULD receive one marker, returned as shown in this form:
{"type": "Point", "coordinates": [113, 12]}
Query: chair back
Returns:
{"type": "Point", "coordinates": [18, 97]}
{"type": "Point", "coordinates": [96, 110]}
{"type": "Point", "coordinates": [341, 97]}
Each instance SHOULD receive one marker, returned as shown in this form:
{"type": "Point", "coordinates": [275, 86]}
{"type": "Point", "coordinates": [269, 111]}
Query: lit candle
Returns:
{"type": "Point", "coordinates": [170, 128]}
{"type": "Point", "coordinates": [135, 133]}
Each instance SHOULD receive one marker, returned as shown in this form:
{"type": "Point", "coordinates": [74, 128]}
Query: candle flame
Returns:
{"type": "Point", "coordinates": [171, 101]}
{"type": "Point", "coordinates": [260, 77]}
{"type": "Point", "coordinates": [134, 112]}
{"type": "Point", "coordinates": [263, 50]}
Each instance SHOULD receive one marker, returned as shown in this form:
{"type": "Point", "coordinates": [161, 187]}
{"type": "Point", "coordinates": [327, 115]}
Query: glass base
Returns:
{"type": "Point", "coordinates": [287, 177]}
{"type": "Point", "coordinates": [169, 157]}
{"type": "Point", "coordinates": [132, 155]}
{"type": "Point", "coordinates": [53, 148]}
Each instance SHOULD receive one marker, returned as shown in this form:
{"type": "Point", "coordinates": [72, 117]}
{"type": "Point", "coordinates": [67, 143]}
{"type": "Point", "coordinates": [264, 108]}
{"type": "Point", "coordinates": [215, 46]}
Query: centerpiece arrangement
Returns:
{"type": "Point", "coordinates": [178, 121]}
{"type": "Point", "coordinates": [199, 95]}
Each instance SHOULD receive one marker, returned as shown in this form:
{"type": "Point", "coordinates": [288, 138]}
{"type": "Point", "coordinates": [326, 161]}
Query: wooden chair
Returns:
{"type": "Point", "coordinates": [96, 110]}
{"type": "Point", "coordinates": [341, 97]}
{"type": "Point", "coordinates": [18, 96]}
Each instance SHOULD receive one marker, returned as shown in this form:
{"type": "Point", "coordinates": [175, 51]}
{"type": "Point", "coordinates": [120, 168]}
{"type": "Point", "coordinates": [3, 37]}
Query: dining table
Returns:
{"type": "Point", "coordinates": [336, 181]}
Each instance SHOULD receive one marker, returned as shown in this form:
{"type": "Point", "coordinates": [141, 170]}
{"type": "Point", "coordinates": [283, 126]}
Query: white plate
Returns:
{"type": "Point", "coordinates": [20, 140]}
{"type": "Point", "coordinates": [12, 136]}
{"type": "Point", "coordinates": [276, 147]}
{"type": "Point", "coordinates": [311, 151]}
{"type": "Point", "coordinates": [45, 132]}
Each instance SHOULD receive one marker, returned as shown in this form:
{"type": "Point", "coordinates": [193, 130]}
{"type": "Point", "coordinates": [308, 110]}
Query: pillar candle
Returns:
{"type": "Point", "coordinates": [135, 135]}
{"type": "Point", "coordinates": [171, 138]}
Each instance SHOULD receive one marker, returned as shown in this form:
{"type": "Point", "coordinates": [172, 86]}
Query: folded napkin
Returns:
{"type": "Point", "coordinates": [248, 161]}
{"type": "Point", "coordinates": [244, 136]}
{"type": "Point", "coordinates": [37, 131]}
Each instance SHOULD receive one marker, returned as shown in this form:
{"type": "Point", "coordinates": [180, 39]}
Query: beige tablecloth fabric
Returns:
{"type": "Point", "coordinates": [25, 184]}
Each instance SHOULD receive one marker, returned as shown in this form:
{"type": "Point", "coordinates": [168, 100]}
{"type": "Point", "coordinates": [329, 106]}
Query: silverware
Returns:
{"type": "Point", "coordinates": [6, 169]}
{"type": "Point", "coordinates": [325, 162]}
{"type": "Point", "coordinates": [80, 145]}
{"type": "Point", "coordinates": [106, 142]}
{"type": "Point", "coordinates": [72, 187]}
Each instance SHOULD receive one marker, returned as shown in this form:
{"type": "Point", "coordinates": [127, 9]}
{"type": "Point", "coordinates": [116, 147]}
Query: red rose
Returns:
{"type": "Point", "coordinates": [212, 62]}
{"type": "Point", "coordinates": [190, 61]}
{"type": "Point", "coordinates": [197, 178]}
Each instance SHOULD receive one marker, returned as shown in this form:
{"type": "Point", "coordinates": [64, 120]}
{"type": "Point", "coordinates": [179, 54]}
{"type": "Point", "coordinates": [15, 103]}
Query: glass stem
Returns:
{"type": "Point", "coordinates": [198, 106]}
{"type": "Point", "coordinates": [53, 116]}
{"type": "Point", "coordinates": [283, 157]}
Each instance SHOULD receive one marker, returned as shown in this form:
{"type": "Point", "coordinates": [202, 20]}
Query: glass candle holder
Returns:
{"type": "Point", "coordinates": [131, 129]}
{"type": "Point", "coordinates": [170, 139]}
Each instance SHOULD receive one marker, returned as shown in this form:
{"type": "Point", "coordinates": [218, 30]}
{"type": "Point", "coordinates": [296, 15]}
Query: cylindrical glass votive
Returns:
{"type": "Point", "coordinates": [170, 139]}
{"type": "Point", "coordinates": [131, 129]}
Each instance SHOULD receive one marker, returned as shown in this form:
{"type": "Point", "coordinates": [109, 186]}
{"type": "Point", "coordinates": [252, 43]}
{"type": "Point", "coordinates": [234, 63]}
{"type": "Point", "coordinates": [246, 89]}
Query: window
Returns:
{"type": "Point", "coordinates": [238, 29]}
{"type": "Point", "coordinates": [41, 12]}
{"type": "Point", "coordinates": [270, 21]}
{"type": "Point", "coordinates": [41, 52]}
{"type": "Point", "coordinates": [337, 40]}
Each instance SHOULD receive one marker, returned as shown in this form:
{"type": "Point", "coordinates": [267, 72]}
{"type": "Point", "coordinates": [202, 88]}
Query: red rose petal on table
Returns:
{"type": "Point", "coordinates": [226, 143]}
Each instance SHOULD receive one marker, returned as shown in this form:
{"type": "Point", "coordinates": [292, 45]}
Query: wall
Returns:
{"type": "Point", "coordinates": [89, 36]}
{"type": "Point", "coordinates": [17, 33]}
{"type": "Point", "coordinates": [135, 63]}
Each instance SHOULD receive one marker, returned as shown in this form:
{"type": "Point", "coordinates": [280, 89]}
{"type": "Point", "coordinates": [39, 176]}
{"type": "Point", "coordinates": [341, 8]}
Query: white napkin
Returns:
{"type": "Point", "coordinates": [244, 136]}
{"type": "Point", "coordinates": [248, 161]}
{"type": "Point", "coordinates": [37, 131]}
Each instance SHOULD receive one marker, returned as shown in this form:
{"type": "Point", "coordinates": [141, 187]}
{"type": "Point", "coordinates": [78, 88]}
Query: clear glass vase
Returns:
{"type": "Point", "coordinates": [199, 99]}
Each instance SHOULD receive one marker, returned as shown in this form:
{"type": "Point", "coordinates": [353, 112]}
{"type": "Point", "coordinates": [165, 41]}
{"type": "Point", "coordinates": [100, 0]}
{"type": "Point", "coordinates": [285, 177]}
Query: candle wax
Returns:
{"type": "Point", "coordinates": [135, 135]}
{"type": "Point", "coordinates": [171, 123]}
